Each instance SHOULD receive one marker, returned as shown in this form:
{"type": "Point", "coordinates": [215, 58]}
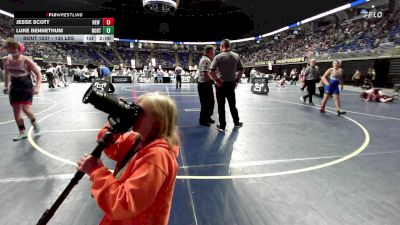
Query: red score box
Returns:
{"type": "Point", "coordinates": [108, 21]}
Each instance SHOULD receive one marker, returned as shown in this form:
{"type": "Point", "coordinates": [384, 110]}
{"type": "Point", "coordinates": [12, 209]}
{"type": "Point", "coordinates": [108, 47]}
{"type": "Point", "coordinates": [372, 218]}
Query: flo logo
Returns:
{"type": "Point", "coordinates": [258, 87]}
{"type": "Point", "coordinates": [99, 86]}
{"type": "Point", "coordinates": [364, 12]}
{"type": "Point", "coordinates": [373, 14]}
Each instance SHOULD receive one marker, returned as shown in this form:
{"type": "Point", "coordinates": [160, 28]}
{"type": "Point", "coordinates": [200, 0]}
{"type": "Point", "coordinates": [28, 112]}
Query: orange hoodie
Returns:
{"type": "Point", "coordinates": [143, 193]}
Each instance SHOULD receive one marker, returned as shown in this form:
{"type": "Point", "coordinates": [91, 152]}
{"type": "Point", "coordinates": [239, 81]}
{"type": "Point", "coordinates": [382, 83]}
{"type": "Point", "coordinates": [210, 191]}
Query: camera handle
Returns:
{"type": "Point", "coordinates": [103, 143]}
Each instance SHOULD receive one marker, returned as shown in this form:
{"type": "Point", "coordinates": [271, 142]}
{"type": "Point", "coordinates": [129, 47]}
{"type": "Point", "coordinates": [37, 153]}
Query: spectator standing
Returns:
{"type": "Point", "coordinates": [357, 77]}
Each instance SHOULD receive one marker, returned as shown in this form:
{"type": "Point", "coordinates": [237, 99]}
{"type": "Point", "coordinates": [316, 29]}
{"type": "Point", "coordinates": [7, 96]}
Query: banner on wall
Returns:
{"type": "Point", "coordinates": [263, 63]}
{"type": "Point", "coordinates": [121, 79]}
{"type": "Point", "coordinates": [142, 80]}
{"type": "Point", "coordinates": [291, 60]}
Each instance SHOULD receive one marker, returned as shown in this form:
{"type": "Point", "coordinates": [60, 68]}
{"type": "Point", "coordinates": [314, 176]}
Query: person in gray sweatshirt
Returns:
{"type": "Point", "coordinates": [311, 75]}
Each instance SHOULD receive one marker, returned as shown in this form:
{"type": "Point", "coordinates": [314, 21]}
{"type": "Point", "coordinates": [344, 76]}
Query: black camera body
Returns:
{"type": "Point", "coordinates": [123, 114]}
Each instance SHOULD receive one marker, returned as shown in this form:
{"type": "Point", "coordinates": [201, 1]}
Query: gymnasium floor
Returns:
{"type": "Point", "coordinates": [288, 164]}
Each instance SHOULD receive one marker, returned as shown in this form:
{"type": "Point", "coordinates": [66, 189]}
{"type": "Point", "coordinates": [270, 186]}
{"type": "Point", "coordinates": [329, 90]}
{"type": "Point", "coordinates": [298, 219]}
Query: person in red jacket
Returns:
{"type": "Point", "coordinates": [139, 192]}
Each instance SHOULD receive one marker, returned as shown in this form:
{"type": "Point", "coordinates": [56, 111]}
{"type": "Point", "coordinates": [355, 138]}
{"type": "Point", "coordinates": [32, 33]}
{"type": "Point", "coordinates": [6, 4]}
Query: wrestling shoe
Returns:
{"type": "Point", "coordinates": [20, 137]}
{"type": "Point", "coordinates": [36, 128]}
{"type": "Point", "coordinates": [239, 124]}
{"type": "Point", "coordinates": [220, 128]}
{"type": "Point", "coordinates": [303, 99]}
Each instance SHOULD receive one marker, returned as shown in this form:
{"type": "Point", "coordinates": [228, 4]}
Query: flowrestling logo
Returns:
{"type": "Point", "coordinates": [99, 86]}
{"type": "Point", "coordinates": [258, 87]}
{"type": "Point", "coordinates": [363, 12]}
{"type": "Point", "coordinates": [373, 14]}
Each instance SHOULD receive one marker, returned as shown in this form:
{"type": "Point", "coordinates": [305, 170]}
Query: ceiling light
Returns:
{"type": "Point", "coordinates": [160, 6]}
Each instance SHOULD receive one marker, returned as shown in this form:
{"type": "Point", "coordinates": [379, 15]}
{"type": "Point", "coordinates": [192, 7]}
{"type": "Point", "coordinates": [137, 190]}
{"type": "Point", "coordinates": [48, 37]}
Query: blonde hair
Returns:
{"type": "Point", "coordinates": [165, 111]}
{"type": "Point", "coordinates": [337, 61]}
{"type": "Point", "coordinates": [10, 42]}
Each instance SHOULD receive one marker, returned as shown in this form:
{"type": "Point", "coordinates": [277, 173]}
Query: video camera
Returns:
{"type": "Point", "coordinates": [122, 114]}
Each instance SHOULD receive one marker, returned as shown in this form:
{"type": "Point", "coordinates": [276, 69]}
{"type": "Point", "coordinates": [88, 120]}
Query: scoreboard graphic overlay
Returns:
{"type": "Point", "coordinates": [63, 27]}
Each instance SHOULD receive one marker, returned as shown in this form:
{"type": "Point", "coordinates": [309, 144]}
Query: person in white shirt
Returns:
{"type": "Point", "coordinates": [59, 73]}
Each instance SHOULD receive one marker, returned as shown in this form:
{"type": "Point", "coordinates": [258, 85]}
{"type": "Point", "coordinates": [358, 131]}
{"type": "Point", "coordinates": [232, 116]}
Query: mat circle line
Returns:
{"type": "Point", "coordinates": [231, 177]}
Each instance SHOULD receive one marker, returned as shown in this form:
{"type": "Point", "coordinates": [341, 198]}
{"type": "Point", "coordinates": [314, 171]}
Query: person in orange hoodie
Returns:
{"type": "Point", "coordinates": [139, 191]}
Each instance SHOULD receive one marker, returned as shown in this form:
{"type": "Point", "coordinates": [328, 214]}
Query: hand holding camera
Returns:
{"type": "Point", "coordinates": [125, 114]}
